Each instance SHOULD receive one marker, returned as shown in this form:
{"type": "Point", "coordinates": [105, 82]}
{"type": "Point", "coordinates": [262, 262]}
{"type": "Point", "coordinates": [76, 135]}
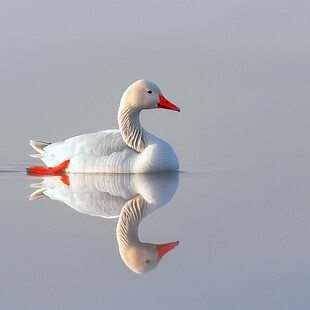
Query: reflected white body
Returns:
{"type": "Point", "coordinates": [130, 197]}
{"type": "Point", "coordinates": [129, 149]}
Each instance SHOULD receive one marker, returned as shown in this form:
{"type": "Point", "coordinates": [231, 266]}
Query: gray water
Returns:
{"type": "Point", "coordinates": [243, 244]}
{"type": "Point", "coordinates": [239, 206]}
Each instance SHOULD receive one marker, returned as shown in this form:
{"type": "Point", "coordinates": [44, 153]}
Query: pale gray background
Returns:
{"type": "Point", "coordinates": [239, 71]}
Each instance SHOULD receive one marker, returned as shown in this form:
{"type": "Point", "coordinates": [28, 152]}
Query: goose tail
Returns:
{"type": "Point", "coordinates": [39, 147]}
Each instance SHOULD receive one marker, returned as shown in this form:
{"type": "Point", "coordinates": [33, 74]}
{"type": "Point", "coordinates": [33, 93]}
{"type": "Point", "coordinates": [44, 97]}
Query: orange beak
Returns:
{"type": "Point", "coordinates": [166, 104]}
{"type": "Point", "coordinates": [164, 248]}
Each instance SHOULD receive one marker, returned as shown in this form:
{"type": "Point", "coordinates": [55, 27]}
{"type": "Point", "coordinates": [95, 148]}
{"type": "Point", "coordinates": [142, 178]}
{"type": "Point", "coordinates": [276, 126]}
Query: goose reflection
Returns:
{"type": "Point", "coordinates": [129, 198]}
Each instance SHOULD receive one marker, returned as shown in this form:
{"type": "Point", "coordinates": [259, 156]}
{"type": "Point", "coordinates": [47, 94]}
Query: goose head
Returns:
{"type": "Point", "coordinates": [143, 257]}
{"type": "Point", "coordinates": [138, 96]}
{"type": "Point", "coordinates": [144, 94]}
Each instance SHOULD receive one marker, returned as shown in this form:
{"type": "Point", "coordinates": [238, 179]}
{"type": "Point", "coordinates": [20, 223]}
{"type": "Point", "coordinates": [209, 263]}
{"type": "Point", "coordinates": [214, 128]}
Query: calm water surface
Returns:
{"type": "Point", "coordinates": [243, 240]}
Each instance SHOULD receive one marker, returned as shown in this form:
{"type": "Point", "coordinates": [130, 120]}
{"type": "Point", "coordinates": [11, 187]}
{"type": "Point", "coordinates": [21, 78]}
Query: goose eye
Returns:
{"type": "Point", "coordinates": [149, 91]}
{"type": "Point", "coordinates": [147, 261]}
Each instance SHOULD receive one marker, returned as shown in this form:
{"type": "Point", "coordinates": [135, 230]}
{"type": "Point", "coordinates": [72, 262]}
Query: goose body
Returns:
{"type": "Point", "coordinates": [129, 149]}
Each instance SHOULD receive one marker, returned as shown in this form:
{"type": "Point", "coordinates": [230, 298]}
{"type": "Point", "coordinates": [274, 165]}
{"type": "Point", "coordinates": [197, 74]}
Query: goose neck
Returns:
{"type": "Point", "coordinates": [134, 135]}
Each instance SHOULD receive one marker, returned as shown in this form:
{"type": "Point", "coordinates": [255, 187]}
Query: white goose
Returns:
{"type": "Point", "coordinates": [131, 149]}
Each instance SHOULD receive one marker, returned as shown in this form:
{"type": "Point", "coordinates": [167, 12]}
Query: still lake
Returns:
{"type": "Point", "coordinates": [243, 240]}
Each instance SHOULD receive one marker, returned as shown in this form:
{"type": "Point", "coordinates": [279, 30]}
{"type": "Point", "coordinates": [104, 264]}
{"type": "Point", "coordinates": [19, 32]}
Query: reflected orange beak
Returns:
{"type": "Point", "coordinates": [166, 104]}
{"type": "Point", "coordinates": [164, 248]}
